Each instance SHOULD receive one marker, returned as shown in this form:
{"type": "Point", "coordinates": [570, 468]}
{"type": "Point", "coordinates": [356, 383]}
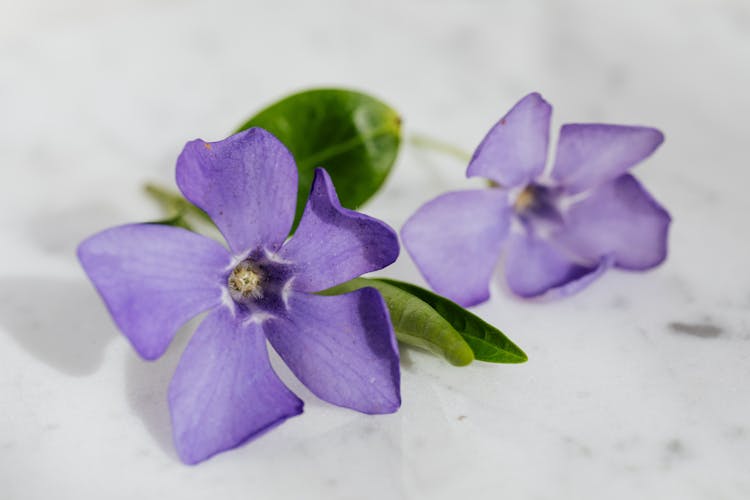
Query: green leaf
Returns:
{"type": "Point", "coordinates": [415, 322]}
{"type": "Point", "coordinates": [427, 320]}
{"type": "Point", "coordinates": [355, 137]}
{"type": "Point", "coordinates": [487, 342]}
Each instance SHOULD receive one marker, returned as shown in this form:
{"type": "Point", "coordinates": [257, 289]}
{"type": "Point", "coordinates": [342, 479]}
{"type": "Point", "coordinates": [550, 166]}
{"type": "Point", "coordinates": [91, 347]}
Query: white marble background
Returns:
{"type": "Point", "coordinates": [636, 388]}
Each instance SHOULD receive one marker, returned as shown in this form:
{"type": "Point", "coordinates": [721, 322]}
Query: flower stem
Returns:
{"type": "Point", "coordinates": [427, 142]}
{"type": "Point", "coordinates": [173, 202]}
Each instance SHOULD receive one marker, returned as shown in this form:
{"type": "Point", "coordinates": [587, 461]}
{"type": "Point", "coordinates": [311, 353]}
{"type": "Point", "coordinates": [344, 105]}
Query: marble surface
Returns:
{"type": "Point", "coordinates": [637, 388]}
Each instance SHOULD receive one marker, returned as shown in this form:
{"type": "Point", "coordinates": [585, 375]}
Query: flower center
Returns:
{"type": "Point", "coordinates": [525, 199]}
{"type": "Point", "coordinates": [246, 281]}
{"type": "Point", "coordinates": [260, 283]}
{"type": "Point", "coordinates": [538, 204]}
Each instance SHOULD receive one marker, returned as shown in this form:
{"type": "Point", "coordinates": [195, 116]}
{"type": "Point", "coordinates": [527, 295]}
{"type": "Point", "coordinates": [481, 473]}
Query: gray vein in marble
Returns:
{"type": "Point", "coordinates": [700, 330]}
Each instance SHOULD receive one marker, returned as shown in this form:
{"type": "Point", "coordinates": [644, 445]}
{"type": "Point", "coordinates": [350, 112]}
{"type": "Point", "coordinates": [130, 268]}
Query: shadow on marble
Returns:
{"type": "Point", "coordinates": [59, 232]}
{"type": "Point", "coordinates": [372, 443]}
{"type": "Point", "coordinates": [405, 355]}
{"type": "Point", "coordinates": [146, 386]}
{"type": "Point", "coordinates": [61, 322]}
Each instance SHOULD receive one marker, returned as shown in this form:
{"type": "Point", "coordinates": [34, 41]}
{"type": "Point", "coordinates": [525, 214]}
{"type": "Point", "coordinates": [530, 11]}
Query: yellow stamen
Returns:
{"type": "Point", "coordinates": [525, 199]}
{"type": "Point", "coordinates": [246, 281]}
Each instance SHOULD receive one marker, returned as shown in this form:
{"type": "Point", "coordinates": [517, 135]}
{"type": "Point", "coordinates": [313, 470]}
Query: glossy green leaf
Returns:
{"type": "Point", "coordinates": [353, 136]}
{"type": "Point", "coordinates": [487, 342]}
{"type": "Point", "coordinates": [415, 322]}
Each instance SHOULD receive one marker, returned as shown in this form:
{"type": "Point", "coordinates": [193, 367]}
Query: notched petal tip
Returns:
{"type": "Point", "coordinates": [455, 241]}
{"type": "Point", "coordinates": [247, 183]}
{"type": "Point", "coordinates": [334, 244]}
{"type": "Point", "coordinates": [323, 183]}
{"type": "Point", "coordinates": [343, 348]}
{"type": "Point", "coordinates": [188, 456]}
{"type": "Point", "coordinates": [224, 391]}
{"type": "Point", "coordinates": [592, 154]}
{"type": "Point", "coordinates": [622, 219]}
{"type": "Point", "coordinates": [153, 279]}
{"type": "Point", "coordinates": [514, 151]}
{"type": "Point", "coordinates": [370, 297]}
{"type": "Point", "coordinates": [660, 239]}
{"type": "Point", "coordinates": [535, 267]}
{"type": "Point", "coordinates": [474, 298]}
{"type": "Point", "coordinates": [658, 135]}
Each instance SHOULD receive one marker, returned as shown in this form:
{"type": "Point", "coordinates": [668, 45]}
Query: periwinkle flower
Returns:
{"type": "Point", "coordinates": [557, 231]}
{"type": "Point", "coordinates": [154, 278]}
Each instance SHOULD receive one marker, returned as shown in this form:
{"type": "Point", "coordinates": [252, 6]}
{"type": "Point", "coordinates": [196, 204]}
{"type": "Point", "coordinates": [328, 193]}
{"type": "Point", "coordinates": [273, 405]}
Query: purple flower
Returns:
{"type": "Point", "coordinates": [559, 231]}
{"type": "Point", "coordinates": [154, 278]}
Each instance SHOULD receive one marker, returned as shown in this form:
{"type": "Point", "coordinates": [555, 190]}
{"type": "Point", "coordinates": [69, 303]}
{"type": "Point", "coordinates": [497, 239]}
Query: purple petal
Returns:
{"type": "Point", "coordinates": [619, 219]}
{"type": "Point", "coordinates": [247, 183]}
{"type": "Point", "coordinates": [342, 348]}
{"type": "Point", "coordinates": [514, 151]}
{"type": "Point", "coordinates": [456, 239]}
{"type": "Point", "coordinates": [591, 154]}
{"type": "Point", "coordinates": [224, 391]}
{"type": "Point", "coordinates": [534, 266]}
{"type": "Point", "coordinates": [332, 244]}
{"type": "Point", "coordinates": [153, 279]}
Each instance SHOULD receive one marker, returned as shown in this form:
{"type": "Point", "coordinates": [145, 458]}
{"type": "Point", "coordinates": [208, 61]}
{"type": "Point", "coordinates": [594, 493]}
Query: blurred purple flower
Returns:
{"type": "Point", "coordinates": [558, 232]}
{"type": "Point", "coordinates": [154, 278]}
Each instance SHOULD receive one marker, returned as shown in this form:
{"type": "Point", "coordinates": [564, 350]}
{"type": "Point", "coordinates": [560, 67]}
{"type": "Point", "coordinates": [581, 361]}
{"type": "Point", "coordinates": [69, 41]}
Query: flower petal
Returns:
{"type": "Point", "coordinates": [591, 154]}
{"type": "Point", "coordinates": [456, 239]}
{"type": "Point", "coordinates": [224, 391]}
{"type": "Point", "coordinates": [153, 279]}
{"type": "Point", "coordinates": [534, 267]}
{"type": "Point", "coordinates": [247, 183]}
{"type": "Point", "coordinates": [514, 151]}
{"type": "Point", "coordinates": [342, 348]}
{"type": "Point", "coordinates": [619, 219]}
{"type": "Point", "coordinates": [333, 244]}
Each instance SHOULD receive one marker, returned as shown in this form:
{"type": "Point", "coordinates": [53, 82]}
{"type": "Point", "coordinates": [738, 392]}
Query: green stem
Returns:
{"type": "Point", "coordinates": [165, 197]}
{"type": "Point", "coordinates": [173, 202]}
{"type": "Point", "coordinates": [427, 142]}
